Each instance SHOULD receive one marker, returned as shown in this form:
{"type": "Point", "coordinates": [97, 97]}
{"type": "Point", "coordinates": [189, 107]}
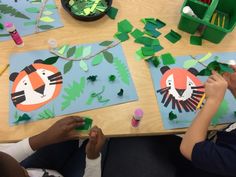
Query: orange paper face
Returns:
{"type": "Point", "coordinates": [30, 91]}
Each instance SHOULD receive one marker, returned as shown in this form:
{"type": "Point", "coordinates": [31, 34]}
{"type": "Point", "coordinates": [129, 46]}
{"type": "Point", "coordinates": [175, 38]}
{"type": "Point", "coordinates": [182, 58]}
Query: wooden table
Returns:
{"type": "Point", "coordinates": [114, 120]}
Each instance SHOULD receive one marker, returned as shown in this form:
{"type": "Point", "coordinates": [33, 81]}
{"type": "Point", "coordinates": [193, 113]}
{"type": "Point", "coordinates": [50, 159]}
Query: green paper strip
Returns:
{"type": "Point", "coordinates": [145, 41]}
{"type": "Point", "coordinates": [137, 33]}
{"type": "Point", "coordinates": [147, 51]}
{"type": "Point", "coordinates": [173, 36]}
{"type": "Point", "coordinates": [87, 124]}
{"type": "Point", "coordinates": [196, 40]}
{"type": "Point", "coordinates": [172, 116]}
{"type": "Point", "coordinates": [167, 59]}
{"type": "Point", "coordinates": [122, 36]}
{"type": "Point", "coordinates": [125, 26]}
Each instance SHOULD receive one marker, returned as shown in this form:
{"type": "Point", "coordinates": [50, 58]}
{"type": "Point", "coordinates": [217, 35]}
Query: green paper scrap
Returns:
{"type": "Point", "coordinates": [97, 59]}
{"type": "Point", "coordinates": [167, 59]}
{"type": "Point", "coordinates": [147, 51]}
{"type": "Point", "coordinates": [106, 43]}
{"type": "Point", "coordinates": [150, 26]}
{"type": "Point", "coordinates": [112, 12]}
{"type": "Point", "coordinates": [63, 49]}
{"type": "Point", "coordinates": [173, 36]}
{"type": "Point", "coordinates": [122, 71]}
{"type": "Point", "coordinates": [157, 48]}
{"type": "Point", "coordinates": [98, 96]}
{"type": "Point", "coordinates": [196, 40]}
{"type": "Point", "coordinates": [145, 41]}
{"type": "Point", "coordinates": [155, 61]}
{"type": "Point", "coordinates": [92, 78]}
{"type": "Point", "coordinates": [155, 42]}
{"type": "Point", "coordinates": [158, 23]}
{"type": "Point", "coordinates": [172, 116]}
{"type": "Point", "coordinates": [108, 56]}
{"type": "Point", "coordinates": [137, 33]}
{"type": "Point", "coordinates": [7, 9]}
{"type": "Point", "coordinates": [139, 55]}
{"type": "Point", "coordinates": [152, 33]}
{"type": "Point", "coordinates": [125, 26]}
{"type": "Point", "coordinates": [121, 92]}
{"type": "Point", "coordinates": [122, 36]}
{"type": "Point", "coordinates": [112, 78]}
{"type": "Point", "coordinates": [24, 117]}
{"type": "Point", "coordinates": [71, 52]}
{"type": "Point", "coordinates": [46, 114]}
{"type": "Point", "coordinates": [87, 124]}
{"type": "Point", "coordinates": [83, 65]}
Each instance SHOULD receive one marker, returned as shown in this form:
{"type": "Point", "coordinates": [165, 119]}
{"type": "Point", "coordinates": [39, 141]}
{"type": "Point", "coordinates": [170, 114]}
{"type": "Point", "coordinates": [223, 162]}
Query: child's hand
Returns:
{"type": "Point", "coordinates": [95, 144]}
{"type": "Point", "coordinates": [215, 87]}
{"type": "Point", "coordinates": [62, 130]}
{"type": "Point", "coordinates": [231, 79]}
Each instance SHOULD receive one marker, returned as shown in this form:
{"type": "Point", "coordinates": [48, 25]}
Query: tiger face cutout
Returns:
{"type": "Point", "coordinates": [180, 88]}
{"type": "Point", "coordinates": [35, 86]}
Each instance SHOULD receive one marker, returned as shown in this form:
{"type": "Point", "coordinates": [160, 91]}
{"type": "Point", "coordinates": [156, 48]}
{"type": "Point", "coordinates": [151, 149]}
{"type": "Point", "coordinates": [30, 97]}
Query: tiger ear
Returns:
{"type": "Point", "coordinates": [13, 76]}
{"type": "Point", "coordinates": [38, 61]}
{"type": "Point", "coordinates": [193, 71]}
{"type": "Point", "coordinates": [164, 69]}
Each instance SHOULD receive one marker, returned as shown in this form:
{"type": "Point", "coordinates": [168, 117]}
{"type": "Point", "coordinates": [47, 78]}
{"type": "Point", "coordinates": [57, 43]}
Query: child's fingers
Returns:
{"type": "Point", "coordinates": [233, 67]}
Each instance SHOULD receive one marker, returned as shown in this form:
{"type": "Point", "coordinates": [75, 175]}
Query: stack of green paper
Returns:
{"type": "Point", "coordinates": [173, 36]}
{"type": "Point", "coordinates": [87, 7]}
{"type": "Point", "coordinates": [151, 25]}
{"type": "Point", "coordinates": [124, 28]}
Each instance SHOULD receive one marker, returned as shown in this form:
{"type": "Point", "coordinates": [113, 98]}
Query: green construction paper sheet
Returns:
{"type": "Point", "coordinates": [147, 51]}
{"type": "Point", "coordinates": [167, 59]}
{"type": "Point", "coordinates": [173, 36]}
{"type": "Point", "coordinates": [144, 40]}
{"type": "Point", "coordinates": [57, 87]}
{"type": "Point", "coordinates": [158, 23]}
{"type": "Point", "coordinates": [137, 33]}
{"type": "Point", "coordinates": [122, 36]}
{"type": "Point", "coordinates": [23, 14]}
{"type": "Point", "coordinates": [178, 79]}
{"type": "Point", "coordinates": [196, 40]}
{"type": "Point", "coordinates": [112, 12]}
{"type": "Point", "coordinates": [125, 26]}
{"type": "Point", "coordinates": [152, 33]}
{"type": "Point", "coordinates": [87, 126]}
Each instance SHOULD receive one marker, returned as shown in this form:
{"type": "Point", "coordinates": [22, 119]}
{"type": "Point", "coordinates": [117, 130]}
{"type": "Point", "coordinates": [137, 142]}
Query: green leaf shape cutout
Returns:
{"type": "Point", "coordinates": [83, 65]}
{"type": "Point", "coordinates": [45, 27]}
{"type": "Point", "coordinates": [32, 10]}
{"type": "Point", "coordinates": [222, 110]}
{"type": "Point", "coordinates": [47, 12]}
{"type": "Point", "coordinates": [87, 51]}
{"type": "Point", "coordinates": [97, 59]}
{"type": "Point", "coordinates": [108, 56]}
{"type": "Point", "coordinates": [47, 19]}
{"type": "Point", "coordinates": [79, 52]}
{"type": "Point", "coordinates": [71, 52]}
{"type": "Point", "coordinates": [24, 117]}
{"type": "Point", "coordinates": [73, 92]}
{"type": "Point", "coordinates": [32, 23]}
{"type": "Point", "coordinates": [63, 49]}
{"type": "Point", "coordinates": [106, 43]}
{"type": "Point", "coordinates": [122, 71]}
{"type": "Point", "coordinates": [1, 26]}
{"type": "Point", "coordinates": [51, 60]}
{"type": "Point", "coordinates": [46, 114]}
{"type": "Point", "coordinates": [4, 35]}
{"type": "Point", "coordinates": [68, 66]}
{"type": "Point", "coordinates": [50, 6]}
{"type": "Point", "coordinates": [6, 9]}
{"type": "Point", "coordinates": [172, 116]}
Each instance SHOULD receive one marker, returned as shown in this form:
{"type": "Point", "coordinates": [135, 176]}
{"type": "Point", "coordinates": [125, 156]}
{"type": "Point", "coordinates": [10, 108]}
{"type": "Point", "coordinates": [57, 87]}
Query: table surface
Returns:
{"type": "Point", "coordinates": [114, 120]}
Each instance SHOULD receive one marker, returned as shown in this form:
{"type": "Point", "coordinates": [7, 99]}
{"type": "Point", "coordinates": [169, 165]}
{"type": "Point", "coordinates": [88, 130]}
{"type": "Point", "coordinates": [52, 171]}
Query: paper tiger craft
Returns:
{"type": "Point", "coordinates": [180, 88]}
{"type": "Point", "coordinates": [35, 86]}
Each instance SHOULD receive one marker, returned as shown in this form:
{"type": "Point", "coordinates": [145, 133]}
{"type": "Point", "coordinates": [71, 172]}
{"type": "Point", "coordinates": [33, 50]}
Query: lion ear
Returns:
{"type": "Point", "coordinates": [164, 69]}
{"type": "Point", "coordinates": [193, 71]}
{"type": "Point", "coordinates": [13, 76]}
{"type": "Point", "coordinates": [38, 61]}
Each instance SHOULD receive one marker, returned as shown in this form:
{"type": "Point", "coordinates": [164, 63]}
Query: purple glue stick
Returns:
{"type": "Point", "coordinates": [14, 34]}
{"type": "Point", "coordinates": [138, 114]}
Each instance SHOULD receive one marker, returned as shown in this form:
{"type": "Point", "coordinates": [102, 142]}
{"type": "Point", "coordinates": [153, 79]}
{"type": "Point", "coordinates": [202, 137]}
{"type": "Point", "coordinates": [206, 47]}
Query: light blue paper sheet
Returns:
{"type": "Point", "coordinates": [103, 71]}
{"type": "Point", "coordinates": [185, 118]}
{"type": "Point", "coordinates": [23, 25]}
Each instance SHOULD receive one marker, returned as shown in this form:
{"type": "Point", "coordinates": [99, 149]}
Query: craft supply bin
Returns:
{"type": "Point", "coordinates": [211, 32]}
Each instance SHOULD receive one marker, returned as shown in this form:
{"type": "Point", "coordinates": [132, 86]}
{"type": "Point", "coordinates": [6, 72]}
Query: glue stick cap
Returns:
{"type": "Point", "coordinates": [189, 11]}
{"type": "Point", "coordinates": [138, 114]}
{"type": "Point", "coordinates": [8, 24]}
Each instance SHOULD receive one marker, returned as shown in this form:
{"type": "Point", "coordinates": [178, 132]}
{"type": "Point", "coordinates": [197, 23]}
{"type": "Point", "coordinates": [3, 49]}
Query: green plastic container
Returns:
{"type": "Point", "coordinates": [224, 22]}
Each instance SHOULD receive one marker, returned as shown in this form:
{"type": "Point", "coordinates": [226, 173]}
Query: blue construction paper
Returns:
{"type": "Point", "coordinates": [184, 119]}
{"type": "Point", "coordinates": [21, 6]}
{"type": "Point", "coordinates": [20, 60]}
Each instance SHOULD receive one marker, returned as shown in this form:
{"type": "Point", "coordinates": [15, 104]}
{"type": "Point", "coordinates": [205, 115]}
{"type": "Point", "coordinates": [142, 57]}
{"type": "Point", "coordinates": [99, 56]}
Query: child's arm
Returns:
{"type": "Point", "coordinates": [62, 130]}
{"type": "Point", "coordinates": [231, 79]}
{"type": "Point", "coordinates": [215, 88]}
{"type": "Point", "coordinates": [93, 149]}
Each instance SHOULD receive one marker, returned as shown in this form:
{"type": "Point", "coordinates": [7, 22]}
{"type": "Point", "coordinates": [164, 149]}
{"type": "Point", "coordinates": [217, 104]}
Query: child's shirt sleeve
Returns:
{"type": "Point", "coordinates": [215, 158]}
{"type": "Point", "coordinates": [93, 167]}
{"type": "Point", "coordinates": [20, 150]}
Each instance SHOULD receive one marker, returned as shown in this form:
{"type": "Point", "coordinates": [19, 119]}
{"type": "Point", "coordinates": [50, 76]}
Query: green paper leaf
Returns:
{"type": "Point", "coordinates": [112, 12]}
{"type": "Point", "coordinates": [87, 51]}
{"type": "Point", "coordinates": [31, 23]}
{"type": "Point", "coordinates": [24, 117]}
{"type": "Point", "coordinates": [108, 56]}
{"type": "Point", "coordinates": [51, 60]}
{"type": "Point", "coordinates": [63, 49]}
{"type": "Point", "coordinates": [71, 52]}
{"type": "Point", "coordinates": [122, 71]}
{"type": "Point", "coordinates": [1, 26]}
{"type": "Point", "coordinates": [50, 6]}
{"type": "Point", "coordinates": [45, 27]}
{"type": "Point", "coordinates": [147, 51]}
{"type": "Point", "coordinates": [7, 9]}
{"type": "Point", "coordinates": [79, 52]}
{"type": "Point", "coordinates": [172, 116]}
{"type": "Point", "coordinates": [4, 35]}
{"type": "Point", "coordinates": [47, 19]}
{"type": "Point", "coordinates": [47, 12]}
{"type": "Point", "coordinates": [83, 65]}
{"type": "Point", "coordinates": [204, 72]}
{"type": "Point", "coordinates": [46, 114]}
{"type": "Point", "coordinates": [167, 59]}
{"type": "Point", "coordinates": [72, 92]}
{"type": "Point", "coordinates": [68, 66]}
{"type": "Point", "coordinates": [97, 59]}
{"type": "Point", "coordinates": [106, 43]}
{"type": "Point", "coordinates": [32, 10]}
{"type": "Point", "coordinates": [125, 26]}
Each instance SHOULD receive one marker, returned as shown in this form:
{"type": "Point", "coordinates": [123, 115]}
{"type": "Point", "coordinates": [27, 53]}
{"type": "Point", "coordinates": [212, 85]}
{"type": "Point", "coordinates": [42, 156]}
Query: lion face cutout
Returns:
{"type": "Point", "coordinates": [35, 86]}
{"type": "Point", "coordinates": [180, 88]}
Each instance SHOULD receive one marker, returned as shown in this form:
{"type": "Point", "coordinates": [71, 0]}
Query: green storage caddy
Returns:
{"type": "Point", "coordinates": [213, 29]}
